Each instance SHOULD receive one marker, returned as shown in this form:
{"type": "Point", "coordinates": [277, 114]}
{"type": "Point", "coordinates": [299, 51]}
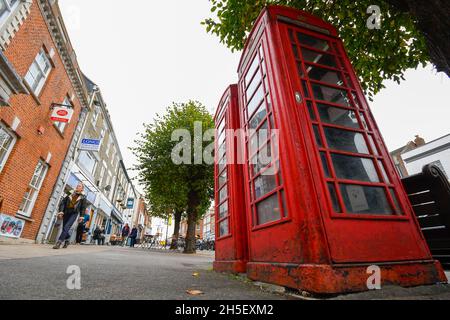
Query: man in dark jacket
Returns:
{"type": "Point", "coordinates": [70, 208]}
{"type": "Point", "coordinates": [133, 236]}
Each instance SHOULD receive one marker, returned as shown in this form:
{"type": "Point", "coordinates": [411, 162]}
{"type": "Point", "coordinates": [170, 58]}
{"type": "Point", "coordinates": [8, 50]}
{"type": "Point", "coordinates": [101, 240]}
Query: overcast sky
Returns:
{"type": "Point", "coordinates": [147, 54]}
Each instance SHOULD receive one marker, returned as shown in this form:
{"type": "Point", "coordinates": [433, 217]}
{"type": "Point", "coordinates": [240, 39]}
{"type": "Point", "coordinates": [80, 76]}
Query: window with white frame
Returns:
{"type": "Point", "coordinates": [95, 115]}
{"type": "Point", "coordinates": [38, 72]}
{"type": "Point", "coordinates": [87, 161]}
{"type": "Point", "coordinates": [33, 189]}
{"type": "Point", "coordinates": [101, 175]}
{"type": "Point", "coordinates": [108, 142]}
{"type": "Point", "coordinates": [7, 141]}
{"type": "Point", "coordinates": [61, 126]}
{"type": "Point", "coordinates": [6, 8]}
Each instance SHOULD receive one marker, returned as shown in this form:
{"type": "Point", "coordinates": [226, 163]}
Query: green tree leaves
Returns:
{"type": "Point", "coordinates": [376, 54]}
{"type": "Point", "coordinates": [168, 186]}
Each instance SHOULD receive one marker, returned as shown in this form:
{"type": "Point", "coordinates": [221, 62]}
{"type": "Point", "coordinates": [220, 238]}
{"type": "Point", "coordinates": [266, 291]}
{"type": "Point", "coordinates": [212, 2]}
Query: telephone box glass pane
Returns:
{"type": "Point", "coordinates": [324, 75]}
{"type": "Point", "coordinates": [313, 42]}
{"type": "Point", "coordinates": [394, 197]}
{"type": "Point", "coordinates": [252, 86]}
{"type": "Point", "coordinates": [344, 140]}
{"type": "Point", "coordinates": [223, 210]}
{"type": "Point", "coordinates": [258, 117]}
{"type": "Point", "coordinates": [264, 184]}
{"type": "Point", "coordinates": [365, 200]}
{"type": "Point", "coordinates": [223, 193]}
{"type": "Point", "coordinates": [223, 228]}
{"type": "Point", "coordinates": [319, 58]}
{"type": "Point", "coordinates": [337, 116]}
{"type": "Point", "coordinates": [251, 71]}
{"type": "Point", "coordinates": [354, 168]}
{"type": "Point", "coordinates": [383, 171]}
{"type": "Point", "coordinates": [222, 178]}
{"type": "Point", "coordinates": [334, 199]}
{"type": "Point", "coordinates": [222, 150]}
{"type": "Point", "coordinates": [256, 100]}
{"type": "Point", "coordinates": [268, 210]}
{"type": "Point", "coordinates": [330, 94]}
{"type": "Point", "coordinates": [323, 156]}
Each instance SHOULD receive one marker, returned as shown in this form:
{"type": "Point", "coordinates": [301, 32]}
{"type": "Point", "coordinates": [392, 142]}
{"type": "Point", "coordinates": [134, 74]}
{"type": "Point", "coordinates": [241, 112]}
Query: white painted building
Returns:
{"type": "Point", "coordinates": [435, 152]}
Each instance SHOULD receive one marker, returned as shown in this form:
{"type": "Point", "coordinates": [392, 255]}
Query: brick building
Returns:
{"type": "Point", "coordinates": [38, 69]}
{"type": "Point", "coordinates": [397, 155]}
{"type": "Point", "coordinates": [198, 228]}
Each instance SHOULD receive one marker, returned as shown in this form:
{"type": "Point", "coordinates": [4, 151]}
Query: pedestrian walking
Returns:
{"type": "Point", "coordinates": [80, 230]}
{"type": "Point", "coordinates": [133, 236]}
{"type": "Point", "coordinates": [70, 208]}
{"type": "Point", "coordinates": [99, 235]}
{"type": "Point", "coordinates": [125, 233]}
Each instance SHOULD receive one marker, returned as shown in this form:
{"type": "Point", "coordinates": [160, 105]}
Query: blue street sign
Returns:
{"type": "Point", "coordinates": [130, 203]}
{"type": "Point", "coordinates": [90, 144]}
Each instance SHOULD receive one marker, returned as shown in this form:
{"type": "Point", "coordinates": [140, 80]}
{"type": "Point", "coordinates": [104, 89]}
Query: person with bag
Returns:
{"type": "Point", "coordinates": [125, 234]}
{"type": "Point", "coordinates": [133, 236]}
{"type": "Point", "coordinates": [99, 235]}
{"type": "Point", "coordinates": [81, 228]}
{"type": "Point", "coordinates": [70, 208]}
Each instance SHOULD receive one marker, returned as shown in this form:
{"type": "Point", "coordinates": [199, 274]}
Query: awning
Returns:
{"type": "Point", "coordinates": [105, 206]}
{"type": "Point", "coordinates": [117, 215]}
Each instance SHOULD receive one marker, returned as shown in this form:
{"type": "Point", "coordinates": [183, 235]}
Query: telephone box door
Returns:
{"type": "Point", "coordinates": [366, 214]}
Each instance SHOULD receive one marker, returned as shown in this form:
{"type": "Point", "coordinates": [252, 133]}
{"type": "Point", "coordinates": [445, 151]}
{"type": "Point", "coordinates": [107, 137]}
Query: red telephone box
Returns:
{"type": "Point", "coordinates": [329, 204]}
{"type": "Point", "coordinates": [231, 226]}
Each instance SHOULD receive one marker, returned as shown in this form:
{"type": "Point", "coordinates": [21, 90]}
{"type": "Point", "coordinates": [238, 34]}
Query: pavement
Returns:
{"type": "Point", "coordinates": [118, 273]}
{"type": "Point", "coordinates": [38, 272]}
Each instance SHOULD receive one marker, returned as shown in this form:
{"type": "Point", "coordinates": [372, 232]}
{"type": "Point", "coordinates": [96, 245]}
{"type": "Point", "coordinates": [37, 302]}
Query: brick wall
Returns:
{"type": "Point", "coordinates": [33, 113]}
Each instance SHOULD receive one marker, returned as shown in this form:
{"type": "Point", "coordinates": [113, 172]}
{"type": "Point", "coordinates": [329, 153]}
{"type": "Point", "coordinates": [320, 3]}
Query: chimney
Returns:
{"type": "Point", "coordinates": [419, 141]}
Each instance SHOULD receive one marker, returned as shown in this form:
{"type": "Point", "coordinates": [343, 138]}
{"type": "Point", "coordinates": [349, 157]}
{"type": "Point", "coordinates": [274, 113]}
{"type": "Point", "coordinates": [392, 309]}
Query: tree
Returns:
{"type": "Point", "coordinates": [172, 186]}
{"type": "Point", "coordinates": [409, 34]}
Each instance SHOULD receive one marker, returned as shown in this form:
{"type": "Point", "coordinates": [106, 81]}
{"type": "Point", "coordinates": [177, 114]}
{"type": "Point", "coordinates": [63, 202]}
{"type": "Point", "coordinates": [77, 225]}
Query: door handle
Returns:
{"type": "Point", "coordinates": [298, 97]}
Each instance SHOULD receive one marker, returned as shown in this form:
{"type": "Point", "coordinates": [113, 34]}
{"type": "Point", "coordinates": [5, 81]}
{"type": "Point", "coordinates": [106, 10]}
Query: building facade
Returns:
{"type": "Point", "coordinates": [38, 69]}
{"type": "Point", "coordinates": [435, 152]}
{"type": "Point", "coordinates": [209, 226]}
{"type": "Point", "coordinates": [98, 164]}
{"type": "Point", "coordinates": [396, 155]}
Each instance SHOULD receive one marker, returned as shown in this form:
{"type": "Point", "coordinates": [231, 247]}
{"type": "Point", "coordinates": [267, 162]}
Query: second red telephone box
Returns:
{"type": "Point", "coordinates": [231, 227]}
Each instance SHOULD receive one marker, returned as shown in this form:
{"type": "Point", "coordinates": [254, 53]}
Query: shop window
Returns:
{"type": "Point", "coordinates": [7, 141]}
{"type": "Point", "coordinates": [39, 71]}
{"type": "Point", "coordinates": [33, 189]}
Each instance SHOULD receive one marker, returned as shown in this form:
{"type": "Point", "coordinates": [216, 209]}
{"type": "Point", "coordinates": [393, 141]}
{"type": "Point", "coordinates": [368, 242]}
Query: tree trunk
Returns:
{"type": "Point", "coordinates": [176, 229]}
{"type": "Point", "coordinates": [433, 20]}
{"type": "Point", "coordinates": [192, 214]}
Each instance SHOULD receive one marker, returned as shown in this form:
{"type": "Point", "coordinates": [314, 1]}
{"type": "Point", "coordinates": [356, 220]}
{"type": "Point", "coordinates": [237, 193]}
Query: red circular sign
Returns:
{"type": "Point", "coordinates": [62, 113]}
